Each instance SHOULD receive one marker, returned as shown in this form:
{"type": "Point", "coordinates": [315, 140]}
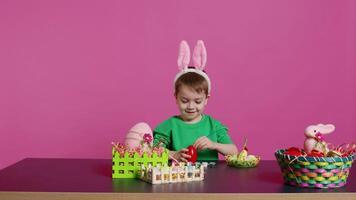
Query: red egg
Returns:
{"type": "Point", "coordinates": [294, 151]}
{"type": "Point", "coordinates": [192, 151]}
{"type": "Point", "coordinates": [316, 153]}
{"type": "Point", "coordinates": [345, 155]}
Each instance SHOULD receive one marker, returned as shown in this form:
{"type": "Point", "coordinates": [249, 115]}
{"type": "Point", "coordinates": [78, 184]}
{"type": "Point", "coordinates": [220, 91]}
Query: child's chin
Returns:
{"type": "Point", "coordinates": [190, 117]}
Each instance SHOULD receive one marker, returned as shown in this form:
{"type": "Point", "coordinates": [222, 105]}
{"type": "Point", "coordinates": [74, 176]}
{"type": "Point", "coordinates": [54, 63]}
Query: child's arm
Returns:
{"type": "Point", "coordinates": [205, 143]}
{"type": "Point", "coordinates": [226, 149]}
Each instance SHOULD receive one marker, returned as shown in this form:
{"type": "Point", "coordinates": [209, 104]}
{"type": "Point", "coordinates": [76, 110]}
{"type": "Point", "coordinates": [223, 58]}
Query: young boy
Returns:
{"type": "Point", "coordinates": [192, 127]}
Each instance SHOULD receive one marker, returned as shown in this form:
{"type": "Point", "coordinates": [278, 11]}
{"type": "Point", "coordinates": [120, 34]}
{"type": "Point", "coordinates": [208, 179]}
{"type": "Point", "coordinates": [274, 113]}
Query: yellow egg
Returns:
{"type": "Point", "coordinates": [242, 155]}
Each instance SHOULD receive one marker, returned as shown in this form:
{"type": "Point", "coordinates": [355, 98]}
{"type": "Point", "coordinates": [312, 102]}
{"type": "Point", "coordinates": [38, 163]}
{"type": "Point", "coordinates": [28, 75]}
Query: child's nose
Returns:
{"type": "Point", "coordinates": [190, 105]}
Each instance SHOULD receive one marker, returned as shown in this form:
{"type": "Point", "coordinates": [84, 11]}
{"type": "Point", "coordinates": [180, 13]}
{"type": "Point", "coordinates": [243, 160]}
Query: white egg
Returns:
{"type": "Point", "coordinates": [251, 157]}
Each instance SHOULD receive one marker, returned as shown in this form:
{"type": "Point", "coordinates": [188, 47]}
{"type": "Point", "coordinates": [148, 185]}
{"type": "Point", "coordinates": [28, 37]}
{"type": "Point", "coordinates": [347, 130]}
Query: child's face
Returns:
{"type": "Point", "coordinates": [190, 103]}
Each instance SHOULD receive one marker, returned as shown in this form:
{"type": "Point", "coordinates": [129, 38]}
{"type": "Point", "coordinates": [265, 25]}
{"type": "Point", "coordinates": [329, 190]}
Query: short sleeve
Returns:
{"type": "Point", "coordinates": [222, 134]}
{"type": "Point", "coordinates": [162, 135]}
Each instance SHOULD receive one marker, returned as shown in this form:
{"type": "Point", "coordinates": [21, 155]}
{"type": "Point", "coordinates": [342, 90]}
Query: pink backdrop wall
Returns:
{"type": "Point", "coordinates": [76, 75]}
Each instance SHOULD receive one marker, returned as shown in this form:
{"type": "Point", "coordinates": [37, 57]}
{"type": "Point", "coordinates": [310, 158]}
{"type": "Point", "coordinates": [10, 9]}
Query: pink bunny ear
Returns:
{"type": "Point", "coordinates": [184, 55]}
{"type": "Point", "coordinates": [199, 55]}
{"type": "Point", "coordinates": [326, 129]}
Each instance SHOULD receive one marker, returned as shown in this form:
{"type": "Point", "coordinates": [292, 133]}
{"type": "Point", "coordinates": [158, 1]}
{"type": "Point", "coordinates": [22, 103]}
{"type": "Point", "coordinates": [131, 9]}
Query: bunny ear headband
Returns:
{"type": "Point", "coordinates": [199, 60]}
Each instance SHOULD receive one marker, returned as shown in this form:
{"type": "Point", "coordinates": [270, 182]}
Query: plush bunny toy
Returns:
{"type": "Point", "coordinates": [315, 140]}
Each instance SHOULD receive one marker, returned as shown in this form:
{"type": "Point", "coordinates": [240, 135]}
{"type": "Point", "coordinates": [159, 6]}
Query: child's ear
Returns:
{"type": "Point", "coordinates": [207, 98]}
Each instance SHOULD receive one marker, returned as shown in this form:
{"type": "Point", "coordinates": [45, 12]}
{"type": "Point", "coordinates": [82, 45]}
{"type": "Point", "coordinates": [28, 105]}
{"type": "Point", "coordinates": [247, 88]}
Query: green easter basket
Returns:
{"type": "Point", "coordinates": [314, 172]}
{"type": "Point", "coordinates": [127, 166]}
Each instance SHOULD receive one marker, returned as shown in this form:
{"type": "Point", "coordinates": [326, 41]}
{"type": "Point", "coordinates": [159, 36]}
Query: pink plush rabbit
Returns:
{"type": "Point", "coordinates": [315, 140]}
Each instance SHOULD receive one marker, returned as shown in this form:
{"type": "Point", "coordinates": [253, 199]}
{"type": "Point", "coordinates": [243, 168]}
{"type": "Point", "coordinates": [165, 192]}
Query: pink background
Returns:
{"type": "Point", "coordinates": [76, 75]}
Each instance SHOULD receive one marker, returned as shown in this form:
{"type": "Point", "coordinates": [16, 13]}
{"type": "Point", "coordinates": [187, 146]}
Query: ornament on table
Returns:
{"type": "Point", "coordinates": [140, 135]}
{"type": "Point", "coordinates": [316, 146]}
{"type": "Point", "coordinates": [243, 159]}
{"type": "Point", "coordinates": [137, 149]}
{"type": "Point", "coordinates": [315, 138]}
{"type": "Point", "coordinates": [312, 166]}
{"type": "Point", "coordinates": [139, 140]}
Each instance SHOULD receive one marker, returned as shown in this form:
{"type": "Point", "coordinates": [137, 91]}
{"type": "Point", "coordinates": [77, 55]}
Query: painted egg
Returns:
{"type": "Point", "coordinates": [294, 151]}
{"type": "Point", "coordinates": [192, 151]}
{"type": "Point", "coordinates": [134, 137]}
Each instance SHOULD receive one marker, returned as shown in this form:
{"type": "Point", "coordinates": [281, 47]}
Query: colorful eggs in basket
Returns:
{"type": "Point", "coordinates": [319, 164]}
{"type": "Point", "coordinates": [135, 135]}
{"type": "Point", "coordinates": [314, 170]}
{"type": "Point", "coordinates": [242, 159]}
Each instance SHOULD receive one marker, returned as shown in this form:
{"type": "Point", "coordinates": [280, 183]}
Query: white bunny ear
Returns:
{"type": "Point", "coordinates": [184, 55]}
{"type": "Point", "coordinates": [199, 55]}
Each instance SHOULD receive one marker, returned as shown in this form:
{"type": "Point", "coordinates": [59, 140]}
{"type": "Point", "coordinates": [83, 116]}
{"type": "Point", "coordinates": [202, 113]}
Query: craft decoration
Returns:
{"type": "Point", "coordinates": [319, 164]}
{"type": "Point", "coordinates": [171, 174]}
{"type": "Point", "coordinates": [137, 150]}
{"type": "Point", "coordinates": [315, 137]}
{"type": "Point", "coordinates": [243, 159]}
{"type": "Point", "coordinates": [136, 135]}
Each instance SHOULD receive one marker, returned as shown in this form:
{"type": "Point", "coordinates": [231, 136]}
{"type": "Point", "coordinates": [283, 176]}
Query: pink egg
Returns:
{"type": "Point", "coordinates": [135, 135]}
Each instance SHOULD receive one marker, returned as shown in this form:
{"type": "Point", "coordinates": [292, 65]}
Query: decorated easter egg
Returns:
{"type": "Point", "coordinates": [294, 151]}
{"type": "Point", "coordinates": [192, 151]}
{"type": "Point", "coordinates": [135, 135]}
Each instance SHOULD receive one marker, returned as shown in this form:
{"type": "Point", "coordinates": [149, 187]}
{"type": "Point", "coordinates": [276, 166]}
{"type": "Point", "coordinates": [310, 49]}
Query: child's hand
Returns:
{"type": "Point", "coordinates": [181, 155]}
{"type": "Point", "coordinates": [204, 143]}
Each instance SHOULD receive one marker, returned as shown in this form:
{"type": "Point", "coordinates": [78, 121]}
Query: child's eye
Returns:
{"type": "Point", "coordinates": [198, 102]}
{"type": "Point", "coordinates": [184, 101]}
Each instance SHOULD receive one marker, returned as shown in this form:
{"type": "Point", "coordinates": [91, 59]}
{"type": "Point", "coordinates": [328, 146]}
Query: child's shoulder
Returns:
{"type": "Point", "coordinates": [214, 121]}
{"type": "Point", "coordinates": [168, 122]}
{"type": "Point", "coordinates": [210, 118]}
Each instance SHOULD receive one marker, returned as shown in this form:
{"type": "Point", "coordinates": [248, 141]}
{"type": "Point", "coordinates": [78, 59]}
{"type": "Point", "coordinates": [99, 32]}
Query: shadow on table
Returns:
{"type": "Point", "coordinates": [104, 169]}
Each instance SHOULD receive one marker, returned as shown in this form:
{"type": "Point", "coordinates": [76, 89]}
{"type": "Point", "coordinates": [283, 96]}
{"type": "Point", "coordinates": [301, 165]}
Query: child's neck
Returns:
{"type": "Point", "coordinates": [193, 121]}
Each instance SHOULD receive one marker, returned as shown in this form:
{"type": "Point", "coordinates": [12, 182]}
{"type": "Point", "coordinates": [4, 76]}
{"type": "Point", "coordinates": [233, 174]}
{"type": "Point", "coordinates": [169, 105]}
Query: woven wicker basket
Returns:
{"type": "Point", "coordinates": [314, 172]}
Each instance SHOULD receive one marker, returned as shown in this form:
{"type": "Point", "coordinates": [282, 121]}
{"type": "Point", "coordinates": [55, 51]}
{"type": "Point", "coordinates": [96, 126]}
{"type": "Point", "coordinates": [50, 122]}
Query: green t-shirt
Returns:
{"type": "Point", "coordinates": [175, 134]}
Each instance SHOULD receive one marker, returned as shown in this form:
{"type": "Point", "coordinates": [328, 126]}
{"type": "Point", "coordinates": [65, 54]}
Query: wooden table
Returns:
{"type": "Point", "coordinates": [35, 178]}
